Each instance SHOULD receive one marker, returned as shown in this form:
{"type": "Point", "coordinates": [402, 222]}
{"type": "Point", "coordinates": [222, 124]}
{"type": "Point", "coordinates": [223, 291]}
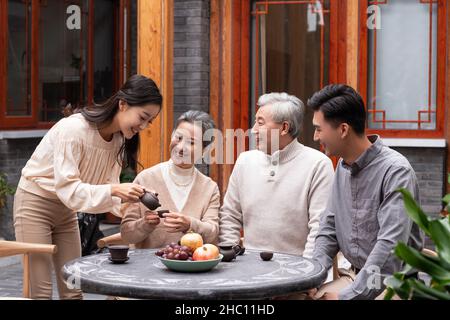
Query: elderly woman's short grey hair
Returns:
{"type": "Point", "coordinates": [196, 117]}
{"type": "Point", "coordinates": [285, 108]}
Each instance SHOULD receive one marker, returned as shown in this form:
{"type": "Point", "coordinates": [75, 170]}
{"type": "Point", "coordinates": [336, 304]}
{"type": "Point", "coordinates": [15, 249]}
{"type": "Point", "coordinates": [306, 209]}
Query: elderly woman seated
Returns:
{"type": "Point", "coordinates": [192, 198]}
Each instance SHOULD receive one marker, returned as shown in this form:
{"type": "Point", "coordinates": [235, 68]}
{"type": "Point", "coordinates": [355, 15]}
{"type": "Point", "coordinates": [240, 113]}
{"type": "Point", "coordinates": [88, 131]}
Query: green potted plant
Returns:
{"type": "Point", "coordinates": [5, 190]}
{"type": "Point", "coordinates": [5, 219]}
{"type": "Point", "coordinates": [437, 267]}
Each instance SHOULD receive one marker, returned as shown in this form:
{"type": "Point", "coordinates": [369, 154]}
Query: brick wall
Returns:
{"type": "Point", "coordinates": [429, 165]}
{"type": "Point", "coordinates": [14, 154]}
{"type": "Point", "coordinates": [191, 56]}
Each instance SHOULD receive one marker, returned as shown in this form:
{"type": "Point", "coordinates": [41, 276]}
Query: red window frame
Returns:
{"type": "Point", "coordinates": [32, 122]}
{"type": "Point", "coordinates": [440, 83]}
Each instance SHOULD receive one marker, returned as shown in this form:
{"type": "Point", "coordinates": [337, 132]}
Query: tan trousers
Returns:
{"type": "Point", "coordinates": [346, 278]}
{"type": "Point", "coordinates": [47, 221]}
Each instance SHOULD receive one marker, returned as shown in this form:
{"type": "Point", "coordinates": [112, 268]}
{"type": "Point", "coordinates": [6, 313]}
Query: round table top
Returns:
{"type": "Point", "coordinates": [144, 276]}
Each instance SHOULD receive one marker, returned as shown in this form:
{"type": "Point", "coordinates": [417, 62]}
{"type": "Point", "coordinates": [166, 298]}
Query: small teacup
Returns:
{"type": "Point", "coordinates": [118, 252]}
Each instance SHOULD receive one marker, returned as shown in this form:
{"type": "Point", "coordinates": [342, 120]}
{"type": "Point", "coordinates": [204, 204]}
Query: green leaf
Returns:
{"type": "Point", "coordinates": [400, 287]}
{"type": "Point", "coordinates": [389, 294]}
{"type": "Point", "coordinates": [407, 269]}
{"type": "Point", "coordinates": [446, 199]}
{"type": "Point", "coordinates": [430, 293]}
{"type": "Point", "coordinates": [418, 261]}
{"type": "Point", "coordinates": [440, 233]}
{"type": "Point", "coordinates": [415, 212]}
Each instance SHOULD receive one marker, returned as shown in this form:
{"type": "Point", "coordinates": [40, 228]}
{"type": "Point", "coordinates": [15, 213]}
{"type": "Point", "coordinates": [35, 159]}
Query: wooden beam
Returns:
{"type": "Point", "coordinates": [155, 60]}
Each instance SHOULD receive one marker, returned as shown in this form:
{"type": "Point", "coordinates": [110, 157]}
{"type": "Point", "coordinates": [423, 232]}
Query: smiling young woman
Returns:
{"type": "Point", "coordinates": [76, 168]}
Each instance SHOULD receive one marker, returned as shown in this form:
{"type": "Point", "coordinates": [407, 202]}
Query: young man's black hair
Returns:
{"type": "Point", "coordinates": [340, 103]}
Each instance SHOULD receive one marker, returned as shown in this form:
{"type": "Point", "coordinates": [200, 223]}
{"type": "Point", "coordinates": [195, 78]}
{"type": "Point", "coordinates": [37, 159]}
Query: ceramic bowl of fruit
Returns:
{"type": "Point", "coordinates": [182, 258]}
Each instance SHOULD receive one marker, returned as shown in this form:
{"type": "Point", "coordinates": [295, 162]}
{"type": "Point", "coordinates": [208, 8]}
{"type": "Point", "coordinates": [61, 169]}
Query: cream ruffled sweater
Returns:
{"type": "Point", "coordinates": [74, 164]}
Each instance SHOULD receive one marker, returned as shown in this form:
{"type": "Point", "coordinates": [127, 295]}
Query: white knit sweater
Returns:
{"type": "Point", "coordinates": [277, 199]}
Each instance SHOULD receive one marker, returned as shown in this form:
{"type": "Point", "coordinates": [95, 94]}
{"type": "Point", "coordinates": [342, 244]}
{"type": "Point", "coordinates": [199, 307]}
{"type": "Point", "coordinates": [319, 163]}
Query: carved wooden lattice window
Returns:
{"type": "Point", "coordinates": [403, 67]}
{"type": "Point", "coordinates": [291, 50]}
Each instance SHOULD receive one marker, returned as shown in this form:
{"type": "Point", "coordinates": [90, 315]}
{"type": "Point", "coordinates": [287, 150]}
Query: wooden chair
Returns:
{"type": "Point", "coordinates": [335, 269]}
{"type": "Point", "coordinates": [114, 239]}
{"type": "Point", "coordinates": [12, 248]}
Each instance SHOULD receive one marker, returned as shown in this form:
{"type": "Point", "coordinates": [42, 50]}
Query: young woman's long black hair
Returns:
{"type": "Point", "coordinates": [137, 91]}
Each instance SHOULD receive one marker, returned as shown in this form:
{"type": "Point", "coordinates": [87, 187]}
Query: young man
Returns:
{"type": "Point", "coordinates": [365, 216]}
{"type": "Point", "coordinates": [277, 193]}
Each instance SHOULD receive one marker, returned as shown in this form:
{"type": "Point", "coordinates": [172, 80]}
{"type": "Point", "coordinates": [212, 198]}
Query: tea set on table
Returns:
{"type": "Point", "coordinates": [119, 253]}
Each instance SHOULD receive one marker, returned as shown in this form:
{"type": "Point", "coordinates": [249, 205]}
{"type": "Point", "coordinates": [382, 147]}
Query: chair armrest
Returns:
{"type": "Point", "coordinates": [12, 248]}
{"type": "Point", "coordinates": [110, 240]}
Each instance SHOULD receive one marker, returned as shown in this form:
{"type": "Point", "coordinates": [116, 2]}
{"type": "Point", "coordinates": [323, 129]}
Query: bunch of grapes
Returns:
{"type": "Point", "coordinates": [175, 251]}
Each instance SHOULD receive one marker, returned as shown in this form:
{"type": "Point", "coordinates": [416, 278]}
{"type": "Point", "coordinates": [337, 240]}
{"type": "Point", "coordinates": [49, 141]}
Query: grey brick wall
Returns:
{"type": "Point", "coordinates": [14, 154]}
{"type": "Point", "coordinates": [191, 56]}
{"type": "Point", "coordinates": [429, 165]}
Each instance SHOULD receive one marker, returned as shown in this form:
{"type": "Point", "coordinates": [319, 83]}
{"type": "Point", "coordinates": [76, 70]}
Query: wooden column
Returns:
{"type": "Point", "coordinates": [155, 60]}
{"type": "Point", "coordinates": [352, 43]}
{"type": "Point", "coordinates": [447, 104]}
{"type": "Point", "coordinates": [221, 84]}
{"type": "Point", "coordinates": [3, 60]}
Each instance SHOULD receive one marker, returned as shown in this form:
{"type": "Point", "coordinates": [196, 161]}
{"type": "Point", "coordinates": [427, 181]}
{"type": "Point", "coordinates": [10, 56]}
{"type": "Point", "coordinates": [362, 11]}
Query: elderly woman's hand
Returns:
{"type": "Point", "coordinates": [177, 222]}
{"type": "Point", "coordinates": [151, 218]}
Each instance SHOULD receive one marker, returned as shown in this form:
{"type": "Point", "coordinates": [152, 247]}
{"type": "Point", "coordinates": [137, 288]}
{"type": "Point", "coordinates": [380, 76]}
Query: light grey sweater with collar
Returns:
{"type": "Point", "coordinates": [277, 199]}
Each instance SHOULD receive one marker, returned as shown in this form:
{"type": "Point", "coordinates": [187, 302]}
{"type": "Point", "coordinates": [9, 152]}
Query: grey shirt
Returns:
{"type": "Point", "coordinates": [365, 218]}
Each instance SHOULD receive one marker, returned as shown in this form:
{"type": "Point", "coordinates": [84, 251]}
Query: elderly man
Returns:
{"type": "Point", "coordinates": [278, 192]}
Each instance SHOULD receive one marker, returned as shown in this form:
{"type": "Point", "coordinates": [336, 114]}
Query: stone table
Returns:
{"type": "Point", "coordinates": [145, 277]}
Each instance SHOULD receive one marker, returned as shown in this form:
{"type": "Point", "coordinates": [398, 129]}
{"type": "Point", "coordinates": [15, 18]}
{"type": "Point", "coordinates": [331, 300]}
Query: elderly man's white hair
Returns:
{"type": "Point", "coordinates": [285, 108]}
